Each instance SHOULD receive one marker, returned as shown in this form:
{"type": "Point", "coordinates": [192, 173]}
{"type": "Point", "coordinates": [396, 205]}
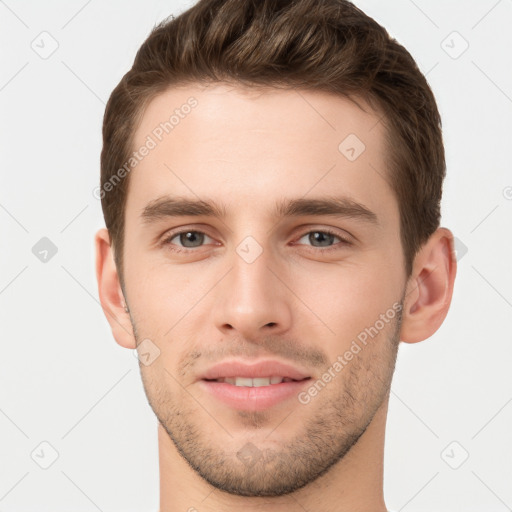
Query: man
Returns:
{"type": "Point", "coordinates": [271, 179]}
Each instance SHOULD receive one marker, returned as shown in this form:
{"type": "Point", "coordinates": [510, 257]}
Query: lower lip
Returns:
{"type": "Point", "coordinates": [253, 398]}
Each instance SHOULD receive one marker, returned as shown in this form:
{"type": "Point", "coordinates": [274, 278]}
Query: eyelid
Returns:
{"type": "Point", "coordinates": [169, 235]}
{"type": "Point", "coordinates": [338, 232]}
{"type": "Point", "coordinates": [345, 239]}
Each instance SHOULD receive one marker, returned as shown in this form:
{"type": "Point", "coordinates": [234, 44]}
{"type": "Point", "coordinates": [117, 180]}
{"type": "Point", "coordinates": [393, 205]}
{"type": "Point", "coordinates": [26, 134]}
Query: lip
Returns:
{"type": "Point", "coordinates": [264, 368]}
{"type": "Point", "coordinates": [253, 398]}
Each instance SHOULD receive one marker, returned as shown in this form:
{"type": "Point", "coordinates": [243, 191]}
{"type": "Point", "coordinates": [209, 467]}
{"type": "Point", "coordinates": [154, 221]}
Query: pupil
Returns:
{"type": "Point", "coordinates": [326, 236]}
{"type": "Point", "coordinates": [190, 236]}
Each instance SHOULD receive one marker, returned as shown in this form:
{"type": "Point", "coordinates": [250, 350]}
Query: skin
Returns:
{"type": "Point", "coordinates": [294, 302]}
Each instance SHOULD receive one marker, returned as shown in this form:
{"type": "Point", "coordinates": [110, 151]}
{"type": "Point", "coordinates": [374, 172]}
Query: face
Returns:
{"type": "Point", "coordinates": [279, 276]}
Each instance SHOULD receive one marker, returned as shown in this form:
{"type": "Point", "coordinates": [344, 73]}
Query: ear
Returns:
{"type": "Point", "coordinates": [429, 288]}
{"type": "Point", "coordinates": [110, 292]}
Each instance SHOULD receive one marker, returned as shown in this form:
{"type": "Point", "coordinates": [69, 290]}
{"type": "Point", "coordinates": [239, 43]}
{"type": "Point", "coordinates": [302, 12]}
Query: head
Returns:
{"type": "Point", "coordinates": [264, 114]}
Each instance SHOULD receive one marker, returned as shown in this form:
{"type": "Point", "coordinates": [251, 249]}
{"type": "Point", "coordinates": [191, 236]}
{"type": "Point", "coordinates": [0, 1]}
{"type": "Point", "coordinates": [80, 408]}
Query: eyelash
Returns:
{"type": "Point", "coordinates": [344, 241]}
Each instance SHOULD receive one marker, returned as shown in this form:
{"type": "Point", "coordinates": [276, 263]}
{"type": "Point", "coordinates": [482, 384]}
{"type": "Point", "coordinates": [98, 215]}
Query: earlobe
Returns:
{"type": "Point", "coordinates": [110, 293]}
{"type": "Point", "coordinates": [430, 288]}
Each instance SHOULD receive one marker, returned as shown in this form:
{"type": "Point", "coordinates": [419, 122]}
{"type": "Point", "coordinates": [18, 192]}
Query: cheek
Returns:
{"type": "Point", "coordinates": [156, 299]}
{"type": "Point", "coordinates": [345, 298]}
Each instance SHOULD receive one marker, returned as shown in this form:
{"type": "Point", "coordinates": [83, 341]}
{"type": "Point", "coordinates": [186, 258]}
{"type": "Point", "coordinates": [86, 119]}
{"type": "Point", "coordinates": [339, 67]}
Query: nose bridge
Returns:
{"type": "Point", "coordinates": [252, 296]}
{"type": "Point", "coordinates": [251, 264]}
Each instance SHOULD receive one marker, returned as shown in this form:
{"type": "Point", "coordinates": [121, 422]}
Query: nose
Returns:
{"type": "Point", "coordinates": [252, 300]}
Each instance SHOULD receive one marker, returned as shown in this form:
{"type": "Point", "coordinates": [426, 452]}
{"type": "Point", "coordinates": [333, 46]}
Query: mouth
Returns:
{"type": "Point", "coordinates": [255, 382]}
{"type": "Point", "coordinates": [256, 394]}
{"type": "Point", "coordinates": [249, 385]}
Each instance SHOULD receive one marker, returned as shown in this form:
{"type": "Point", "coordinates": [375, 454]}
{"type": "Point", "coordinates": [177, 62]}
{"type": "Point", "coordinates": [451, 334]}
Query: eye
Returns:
{"type": "Point", "coordinates": [189, 239]}
{"type": "Point", "coordinates": [192, 239]}
{"type": "Point", "coordinates": [325, 238]}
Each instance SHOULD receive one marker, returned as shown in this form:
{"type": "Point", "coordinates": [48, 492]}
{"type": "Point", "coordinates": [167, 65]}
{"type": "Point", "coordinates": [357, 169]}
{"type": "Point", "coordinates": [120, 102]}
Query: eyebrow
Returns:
{"type": "Point", "coordinates": [168, 206]}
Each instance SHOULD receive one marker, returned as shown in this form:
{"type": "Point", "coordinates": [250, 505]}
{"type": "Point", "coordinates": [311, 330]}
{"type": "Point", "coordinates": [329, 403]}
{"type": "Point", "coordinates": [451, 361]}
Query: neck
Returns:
{"type": "Point", "coordinates": [354, 483]}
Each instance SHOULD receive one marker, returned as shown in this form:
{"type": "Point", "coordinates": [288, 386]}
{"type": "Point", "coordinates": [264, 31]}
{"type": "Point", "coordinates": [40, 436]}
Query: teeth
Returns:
{"type": "Point", "coordinates": [256, 382]}
{"type": "Point", "coordinates": [241, 381]}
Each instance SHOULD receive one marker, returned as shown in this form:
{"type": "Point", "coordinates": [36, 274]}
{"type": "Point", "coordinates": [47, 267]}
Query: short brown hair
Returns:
{"type": "Point", "coordinates": [324, 45]}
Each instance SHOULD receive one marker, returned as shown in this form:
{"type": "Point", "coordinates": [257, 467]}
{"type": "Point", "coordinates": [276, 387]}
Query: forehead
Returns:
{"type": "Point", "coordinates": [249, 147]}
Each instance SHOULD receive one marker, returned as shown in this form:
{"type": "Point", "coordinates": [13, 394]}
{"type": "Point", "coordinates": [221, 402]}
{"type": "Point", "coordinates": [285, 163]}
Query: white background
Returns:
{"type": "Point", "coordinates": [64, 380]}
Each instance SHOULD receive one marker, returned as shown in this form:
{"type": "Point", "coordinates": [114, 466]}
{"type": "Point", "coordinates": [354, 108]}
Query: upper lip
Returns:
{"type": "Point", "coordinates": [265, 368]}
